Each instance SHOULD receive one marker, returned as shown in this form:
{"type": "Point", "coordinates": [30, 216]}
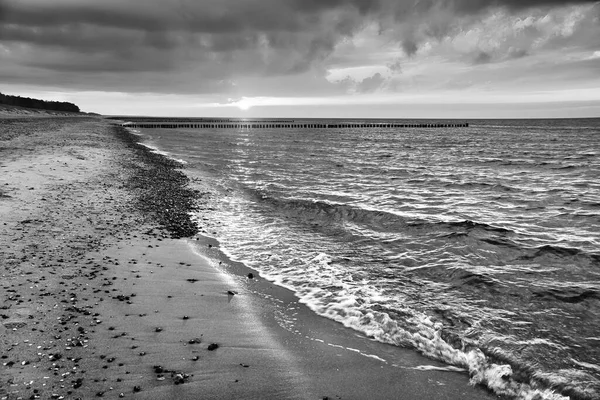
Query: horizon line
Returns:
{"type": "Point", "coordinates": [340, 118]}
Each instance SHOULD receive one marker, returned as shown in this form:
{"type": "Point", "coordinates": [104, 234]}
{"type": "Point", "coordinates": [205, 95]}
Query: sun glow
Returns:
{"type": "Point", "coordinates": [244, 104]}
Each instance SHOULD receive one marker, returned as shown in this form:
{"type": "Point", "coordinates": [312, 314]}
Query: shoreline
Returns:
{"type": "Point", "coordinates": [517, 375]}
{"type": "Point", "coordinates": [100, 301]}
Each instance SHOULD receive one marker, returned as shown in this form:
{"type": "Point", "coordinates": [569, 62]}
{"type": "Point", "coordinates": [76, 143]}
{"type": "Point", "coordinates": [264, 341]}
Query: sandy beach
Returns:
{"type": "Point", "coordinates": [109, 290]}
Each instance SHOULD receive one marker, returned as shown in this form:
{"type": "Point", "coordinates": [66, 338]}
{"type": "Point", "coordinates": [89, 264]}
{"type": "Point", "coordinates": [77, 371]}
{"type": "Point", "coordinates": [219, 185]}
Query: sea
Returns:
{"type": "Point", "coordinates": [476, 246]}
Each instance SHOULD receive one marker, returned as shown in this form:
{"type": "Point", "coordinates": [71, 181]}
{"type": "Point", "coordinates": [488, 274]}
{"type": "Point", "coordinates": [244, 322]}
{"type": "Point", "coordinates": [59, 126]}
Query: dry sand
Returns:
{"type": "Point", "coordinates": [97, 299]}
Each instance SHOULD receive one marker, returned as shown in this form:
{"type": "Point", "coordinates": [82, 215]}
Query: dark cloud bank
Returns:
{"type": "Point", "coordinates": [204, 45]}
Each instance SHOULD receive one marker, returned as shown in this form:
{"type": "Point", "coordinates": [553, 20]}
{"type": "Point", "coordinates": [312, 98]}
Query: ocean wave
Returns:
{"type": "Point", "coordinates": [334, 212]}
{"type": "Point", "coordinates": [460, 277]}
{"type": "Point", "coordinates": [362, 307]}
{"type": "Point", "coordinates": [568, 295]}
{"type": "Point", "coordinates": [502, 242]}
{"type": "Point", "coordinates": [565, 167]}
{"type": "Point", "coordinates": [469, 225]}
{"type": "Point", "coordinates": [310, 209]}
{"type": "Point", "coordinates": [559, 252]}
{"type": "Point", "coordinates": [418, 331]}
{"type": "Point", "coordinates": [134, 131]}
{"type": "Point", "coordinates": [156, 150]}
{"type": "Point", "coordinates": [495, 187]}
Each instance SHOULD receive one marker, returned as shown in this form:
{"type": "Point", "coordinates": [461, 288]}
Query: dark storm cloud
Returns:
{"type": "Point", "coordinates": [223, 16]}
{"type": "Point", "coordinates": [193, 30]}
{"type": "Point", "coordinates": [477, 5]}
{"type": "Point", "coordinates": [209, 39]}
{"type": "Point", "coordinates": [237, 17]}
{"type": "Point", "coordinates": [152, 15]}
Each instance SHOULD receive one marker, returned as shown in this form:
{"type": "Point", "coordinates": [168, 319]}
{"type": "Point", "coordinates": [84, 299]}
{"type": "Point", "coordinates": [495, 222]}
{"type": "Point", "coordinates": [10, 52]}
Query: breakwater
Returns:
{"type": "Point", "coordinates": [292, 125]}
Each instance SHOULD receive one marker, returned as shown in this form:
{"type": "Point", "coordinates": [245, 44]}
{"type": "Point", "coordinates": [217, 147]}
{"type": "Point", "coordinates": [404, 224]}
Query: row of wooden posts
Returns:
{"type": "Point", "coordinates": [255, 125]}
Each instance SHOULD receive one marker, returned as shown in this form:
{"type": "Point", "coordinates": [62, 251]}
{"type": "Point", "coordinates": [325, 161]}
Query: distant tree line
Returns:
{"type": "Point", "coordinates": [36, 103]}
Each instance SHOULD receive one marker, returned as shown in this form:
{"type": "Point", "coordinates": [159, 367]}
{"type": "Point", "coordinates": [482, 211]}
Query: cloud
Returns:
{"type": "Point", "coordinates": [371, 84]}
{"type": "Point", "coordinates": [594, 56]}
{"type": "Point", "coordinates": [394, 67]}
{"type": "Point", "coordinates": [204, 40]}
{"type": "Point", "coordinates": [482, 58]}
{"type": "Point", "coordinates": [212, 45]}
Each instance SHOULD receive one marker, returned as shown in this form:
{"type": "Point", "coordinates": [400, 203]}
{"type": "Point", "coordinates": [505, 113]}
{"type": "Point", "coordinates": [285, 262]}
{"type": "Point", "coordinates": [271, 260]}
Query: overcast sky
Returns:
{"type": "Point", "coordinates": [302, 58]}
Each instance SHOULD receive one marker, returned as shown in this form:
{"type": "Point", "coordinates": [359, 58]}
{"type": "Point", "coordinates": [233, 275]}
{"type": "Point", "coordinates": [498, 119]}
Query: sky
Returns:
{"type": "Point", "coordinates": [306, 58]}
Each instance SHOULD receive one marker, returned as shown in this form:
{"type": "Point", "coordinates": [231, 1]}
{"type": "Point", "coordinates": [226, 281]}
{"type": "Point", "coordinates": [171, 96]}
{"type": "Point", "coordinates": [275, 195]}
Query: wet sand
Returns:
{"type": "Point", "coordinates": [109, 291]}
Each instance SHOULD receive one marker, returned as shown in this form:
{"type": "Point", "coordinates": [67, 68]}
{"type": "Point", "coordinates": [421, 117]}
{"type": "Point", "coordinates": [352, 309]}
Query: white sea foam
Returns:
{"type": "Point", "coordinates": [435, 368]}
{"type": "Point", "coordinates": [513, 340]}
{"type": "Point", "coordinates": [133, 131]}
{"type": "Point", "coordinates": [155, 150]}
{"type": "Point", "coordinates": [375, 357]}
{"type": "Point", "coordinates": [350, 306]}
{"type": "Point", "coordinates": [587, 365]}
